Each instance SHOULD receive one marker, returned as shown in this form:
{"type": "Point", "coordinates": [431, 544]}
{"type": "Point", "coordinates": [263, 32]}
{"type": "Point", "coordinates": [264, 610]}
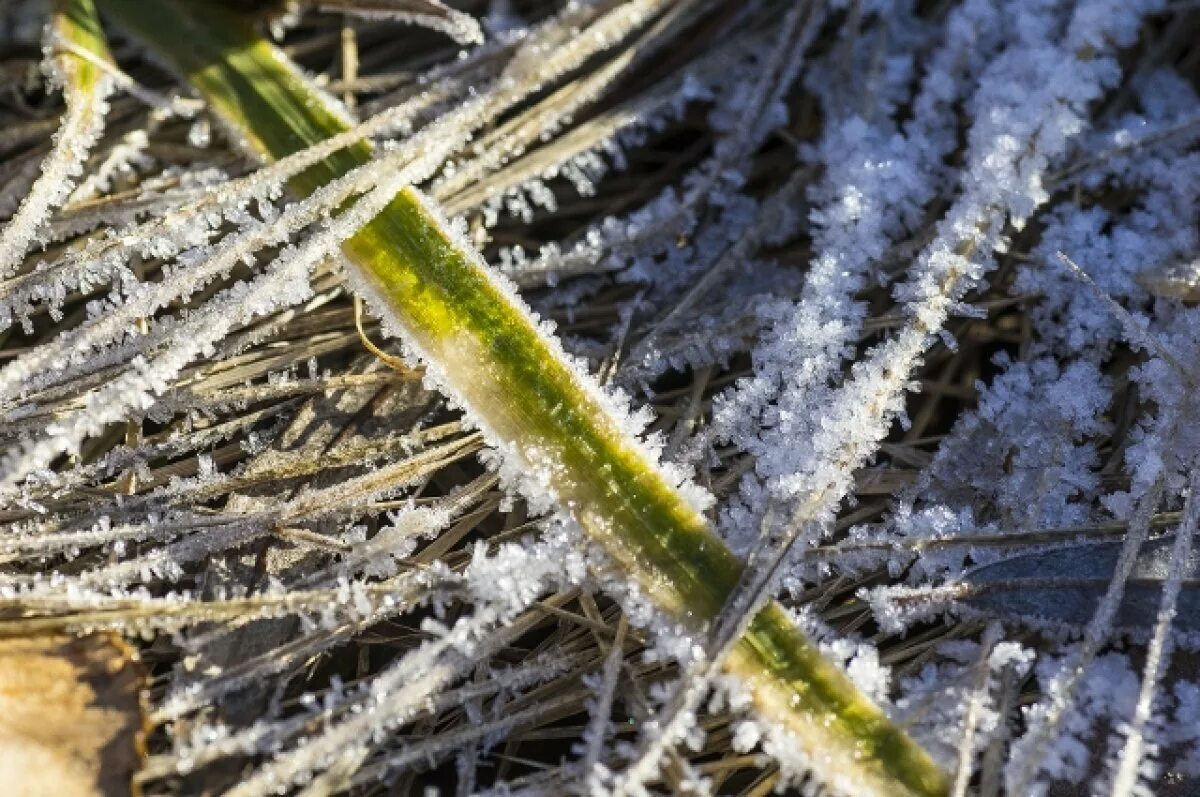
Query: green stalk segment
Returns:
{"type": "Point", "coordinates": [75, 21]}
{"type": "Point", "coordinates": [490, 354]}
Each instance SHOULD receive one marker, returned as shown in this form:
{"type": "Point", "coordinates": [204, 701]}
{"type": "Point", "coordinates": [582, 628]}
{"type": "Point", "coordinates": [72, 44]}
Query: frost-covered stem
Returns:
{"type": "Point", "coordinates": [1047, 717]}
{"type": "Point", "coordinates": [845, 425]}
{"type": "Point", "coordinates": [549, 418]}
{"type": "Point", "coordinates": [975, 705]}
{"type": "Point", "coordinates": [51, 362]}
{"type": "Point", "coordinates": [661, 734]}
{"type": "Point", "coordinates": [433, 14]}
{"type": "Point", "coordinates": [512, 139]}
{"type": "Point", "coordinates": [283, 285]}
{"type": "Point", "coordinates": [166, 561]}
{"type": "Point", "coordinates": [88, 612]}
{"type": "Point", "coordinates": [600, 721]}
{"type": "Point", "coordinates": [1158, 654]}
{"type": "Point", "coordinates": [860, 211]}
{"type": "Point", "coordinates": [394, 697]}
{"type": "Point", "coordinates": [85, 88]}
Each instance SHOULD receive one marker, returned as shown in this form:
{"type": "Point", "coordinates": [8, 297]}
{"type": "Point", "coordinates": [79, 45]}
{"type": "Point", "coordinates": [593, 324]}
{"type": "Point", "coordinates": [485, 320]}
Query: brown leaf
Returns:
{"type": "Point", "coordinates": [71, 718]}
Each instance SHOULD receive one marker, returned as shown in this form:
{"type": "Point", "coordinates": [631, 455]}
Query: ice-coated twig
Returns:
{"type": "Point", "coordinates": [975, 704]}
{"type": "Point", "coordinates": [1045, 719]}
{"type": "Point", "coordinates": [287, 284]}
{"type": "Point", "coordinates": [402, 691]}
{"type": "Point", "coordinates": [45, 365]}
{"type": "Point", "coordinates": [601, 710]}
{"type": "Point", "coordinates": [1136, 333]}
{"type": "Point", "coordinates": [877, 182]}
{"type": "Point", "coordinates": [846, 424]}
{"type": "Point", "coordinates": [459, 26]}
{"type": "Point", "coordinates": [1158, 655]}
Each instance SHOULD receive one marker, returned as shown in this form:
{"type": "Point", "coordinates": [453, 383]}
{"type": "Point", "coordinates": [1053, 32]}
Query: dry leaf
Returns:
{"type": "Point", "coordinates": [71, 718]}
{"type": "Point", "coordinates": [1067, 585]}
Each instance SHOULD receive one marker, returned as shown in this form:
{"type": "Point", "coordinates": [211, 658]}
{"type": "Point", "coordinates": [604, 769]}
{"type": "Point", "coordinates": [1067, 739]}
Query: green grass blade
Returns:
{"type": "Point", "coordinates": [489, 353]}
{"type": "Point", "coordinates": [75, 22]}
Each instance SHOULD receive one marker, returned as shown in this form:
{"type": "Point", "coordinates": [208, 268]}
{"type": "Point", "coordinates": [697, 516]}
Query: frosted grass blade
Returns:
{"type": "Point", "coordinates": [546, 416]}
{"type": "Point", "coordinates": [78, 52]}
